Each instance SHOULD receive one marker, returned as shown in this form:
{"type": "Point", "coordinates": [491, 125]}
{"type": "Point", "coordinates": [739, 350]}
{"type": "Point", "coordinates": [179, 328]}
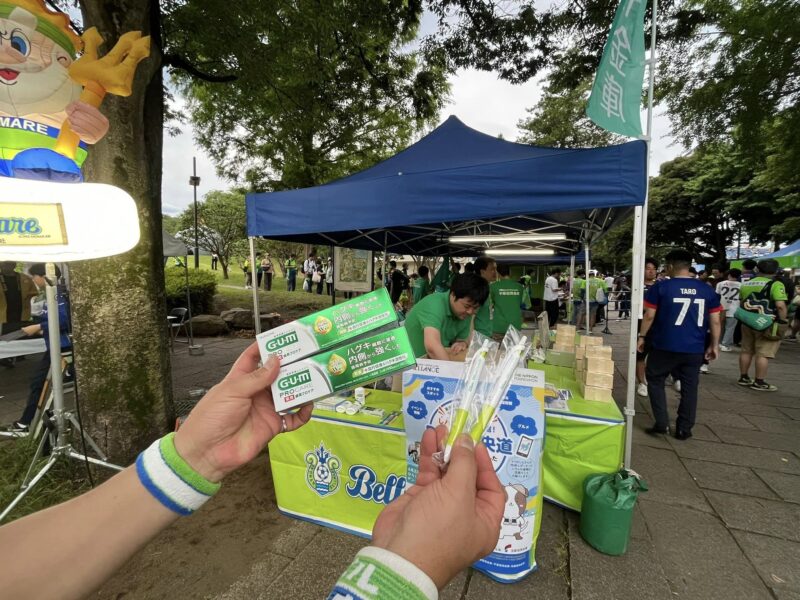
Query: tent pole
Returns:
{"type": "Point", "coordinates": [570, 303]}
{"type": "Point", "coordinates": [188, 299]}
{"type": "Point", "coordinates": [639, 251]}
{"type": "Point", "coordinates": [333, 280]}
{"type": "Point", "coordinates": [586, 287]}
{"type": "Point", "coordinates": [254, 281]}
{"type": "Point", "coordinates": [385, 245]}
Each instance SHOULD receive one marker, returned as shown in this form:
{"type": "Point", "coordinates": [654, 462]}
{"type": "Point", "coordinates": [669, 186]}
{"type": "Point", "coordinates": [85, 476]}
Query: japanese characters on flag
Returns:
{"type": "Point", "coordinates": [617, 90]}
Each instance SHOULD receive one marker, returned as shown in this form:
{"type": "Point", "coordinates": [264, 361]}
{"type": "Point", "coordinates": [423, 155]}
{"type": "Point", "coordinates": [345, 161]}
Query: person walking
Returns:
{"type": "Point", "coordinates": [248, 276]}
{"type": "Point", "coordinates": [309, 267]}
{"type": "Point", "coordinates": [329, 277]}
{"type": "Point", "coordinates": [397, 282]}
{"type": "Point", "coordinates": [421, 286]}
{"type": "Point", "coordinates": [650, 275]}
{"type": "Point", "coordinates": [214, 261]}
{"type": "Point", "coordinates": [318, 279]}
{"type": "Point", "coordinates": [680, 311]}
{"type": "Point", "coordinates": [550, 297]}
{"type": "Point", "coordinates": [291, 273]}
{"type": "Point", "coordinates": [728, 291]}
{"type": "Point", "coordinates": [766, 293]}
{"type": "Point", "coordinates": [259, 271]}
{"type": "Point", "coordinates": [267, 271]}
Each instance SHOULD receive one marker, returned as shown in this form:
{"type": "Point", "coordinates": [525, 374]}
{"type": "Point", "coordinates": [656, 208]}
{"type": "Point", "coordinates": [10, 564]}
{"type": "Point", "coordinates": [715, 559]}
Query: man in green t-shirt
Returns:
{"type": "Point", "coordinates": [486, 267]}
{"type": "Point", "coordinates": [439, 326]}
{"type": "Point", "coordinates": [753, 342]}
{"type": "Point", "coordinates": [578, 286]}
{"type": "Point", "coordinates": [421, 286]}
{"type": "Point", "coordinates": [506, 298]}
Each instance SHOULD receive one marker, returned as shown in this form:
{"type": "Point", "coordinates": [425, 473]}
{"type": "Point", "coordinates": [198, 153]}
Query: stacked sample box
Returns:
{"type": "Point", "coordinates": [595, 372]}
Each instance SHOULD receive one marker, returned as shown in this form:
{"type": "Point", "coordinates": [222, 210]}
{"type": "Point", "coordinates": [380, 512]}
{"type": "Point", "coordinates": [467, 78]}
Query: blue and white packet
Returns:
{"type": "Point", "coordinates": [514, 439]}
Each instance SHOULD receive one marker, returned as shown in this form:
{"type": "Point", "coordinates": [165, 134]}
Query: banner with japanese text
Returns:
{"type": "Point", "coordinates": [615, 101]}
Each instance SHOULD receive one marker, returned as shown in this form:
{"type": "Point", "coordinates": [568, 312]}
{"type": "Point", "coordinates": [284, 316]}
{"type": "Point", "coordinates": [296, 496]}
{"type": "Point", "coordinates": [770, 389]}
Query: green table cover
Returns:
{"type": "Point", "coordinates": [341, 470]}
{"type": "Point", "coordinates": [588, 438]}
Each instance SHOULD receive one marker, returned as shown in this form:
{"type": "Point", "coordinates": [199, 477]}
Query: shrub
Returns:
{"type": "Point", "coordinates": [202, 287]}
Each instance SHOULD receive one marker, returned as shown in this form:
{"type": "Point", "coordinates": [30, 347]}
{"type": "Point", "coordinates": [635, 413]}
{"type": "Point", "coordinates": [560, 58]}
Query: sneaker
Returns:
{"type": "Point", "coordinates": [657, 430]}
{"type": "Point", "coordinates": [677, 385]}
{"type": "Point", "coordinates": [745, 380]}
{"type": "Point", "coordinates": [682, 435]}
{"type": "Point", "coordinates": [704, 368]}
{"type": "Point", "coordinates": [764, 387]}
{"type": "Point", "coordinates": [641, 389]}
{"type": "Point", "coordinates": [725, 348]}
{"type": "Point", "coordinates": [17, 427]}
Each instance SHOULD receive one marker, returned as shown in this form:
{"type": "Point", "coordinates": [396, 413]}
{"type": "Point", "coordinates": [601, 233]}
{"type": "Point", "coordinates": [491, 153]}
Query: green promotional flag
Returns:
{"type": "Point", "coordinates": [441, 281]}
{"type": "Point", "coordinates": [617, 90]}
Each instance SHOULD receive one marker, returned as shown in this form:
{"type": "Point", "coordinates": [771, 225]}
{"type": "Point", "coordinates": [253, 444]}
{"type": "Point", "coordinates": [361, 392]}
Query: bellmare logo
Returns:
{"type": "Point", "coordinates": [365, 485]}
{"type": "Point", "coordinates": [294, 380]}
{"type": "Point", "coordinates": [322, 472]}
{"type": "Point", "coordinates": [20, 225]}
{"type": "Point", "coordinates": [281, 341]}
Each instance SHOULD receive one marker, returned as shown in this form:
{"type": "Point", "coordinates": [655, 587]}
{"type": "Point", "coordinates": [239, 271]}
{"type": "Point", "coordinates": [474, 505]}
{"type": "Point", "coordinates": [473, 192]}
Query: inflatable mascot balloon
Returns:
{"type": "Point", "coordinates": [49, 101]}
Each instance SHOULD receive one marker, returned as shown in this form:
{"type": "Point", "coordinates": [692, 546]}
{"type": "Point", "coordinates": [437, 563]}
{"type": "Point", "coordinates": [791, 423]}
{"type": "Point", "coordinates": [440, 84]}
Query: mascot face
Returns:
{"type": "Point", "coordinates": [33, 69]}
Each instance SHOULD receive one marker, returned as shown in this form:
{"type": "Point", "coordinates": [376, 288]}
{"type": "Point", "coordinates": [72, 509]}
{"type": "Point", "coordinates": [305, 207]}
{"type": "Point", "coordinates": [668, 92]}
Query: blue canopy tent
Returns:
{"type": "Point", "coordinates": [459, 181]}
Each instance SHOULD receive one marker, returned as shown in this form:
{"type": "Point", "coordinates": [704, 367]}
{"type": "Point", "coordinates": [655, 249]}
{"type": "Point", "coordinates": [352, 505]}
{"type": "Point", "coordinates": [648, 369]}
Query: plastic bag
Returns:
{"type": "Point", "coordinates": [485, 382]}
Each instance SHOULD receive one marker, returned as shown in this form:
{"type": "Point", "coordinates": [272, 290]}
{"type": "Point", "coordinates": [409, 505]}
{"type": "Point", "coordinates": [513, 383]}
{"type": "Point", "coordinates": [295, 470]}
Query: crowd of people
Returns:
{"type": "Point", "coordinates": [316, 273]}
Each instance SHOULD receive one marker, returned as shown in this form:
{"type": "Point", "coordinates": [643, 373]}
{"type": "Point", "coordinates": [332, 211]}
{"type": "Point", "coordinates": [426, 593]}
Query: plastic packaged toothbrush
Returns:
{"type": "Point", "coordinates": [514, 349]}
{"type": "Point", "coordinates": [470, 389]}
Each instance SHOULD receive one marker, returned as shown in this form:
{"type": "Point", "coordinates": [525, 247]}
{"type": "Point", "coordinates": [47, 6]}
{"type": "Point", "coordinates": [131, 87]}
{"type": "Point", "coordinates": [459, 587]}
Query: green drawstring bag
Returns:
{"type": "Point", "coordinates": [607, 509]}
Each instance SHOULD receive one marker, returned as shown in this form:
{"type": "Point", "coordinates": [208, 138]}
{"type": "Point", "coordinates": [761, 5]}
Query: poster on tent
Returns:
{"type": "Point", "coordinates": [352, 270]}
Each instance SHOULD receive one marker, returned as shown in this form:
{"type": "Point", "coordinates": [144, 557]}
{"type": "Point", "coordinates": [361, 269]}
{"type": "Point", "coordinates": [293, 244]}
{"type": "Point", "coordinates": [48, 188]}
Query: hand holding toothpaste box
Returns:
{"type": "Point", "coordinates": [344, 367]}
{"type": "Point", "coordinates": [328, 328]}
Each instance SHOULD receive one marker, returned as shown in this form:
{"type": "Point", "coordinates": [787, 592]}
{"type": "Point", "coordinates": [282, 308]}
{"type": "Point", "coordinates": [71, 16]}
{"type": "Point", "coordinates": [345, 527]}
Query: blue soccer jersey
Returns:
{"type": "Point", "coordinates": [683, 307]}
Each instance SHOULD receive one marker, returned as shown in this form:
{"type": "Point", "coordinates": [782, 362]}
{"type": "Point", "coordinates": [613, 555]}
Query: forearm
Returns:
{"type": "Point", "coordinates": [716, 329]}
{"type": "Point", "coordinates": [82, 542]}
{"type": "Point", "coordinates": [781, 309]}
{"type": "Point", "coordinates": [647, 322]}
{"type": "Point", "coordinates": [437, 352]}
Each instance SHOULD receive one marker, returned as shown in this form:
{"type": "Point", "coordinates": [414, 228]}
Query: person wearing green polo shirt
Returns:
{"type": "Point", "coordinates": [578, 288]}
{"type": "Point", "coordinates": [506, 298]}
{"type": "Point", "coordinates": [422, 285]}
{"type": "Point", "coordinates": [441, 323]}
{"type": "Point", "coordinates": [754, 343]}
{"type": "Point", "coordinates": [486, 267]}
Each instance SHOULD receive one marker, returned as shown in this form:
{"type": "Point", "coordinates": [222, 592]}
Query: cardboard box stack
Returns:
{"type": "Point", "coordinates": [562, 353]}
{"type": "Point", "coordinates": [565, 338]}
{"type": "Point", "coordinates": [594, 369]}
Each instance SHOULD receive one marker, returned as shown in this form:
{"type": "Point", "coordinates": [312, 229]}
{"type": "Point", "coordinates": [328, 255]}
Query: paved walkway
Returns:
{"type": "Point", "coordinates": [721, 520]}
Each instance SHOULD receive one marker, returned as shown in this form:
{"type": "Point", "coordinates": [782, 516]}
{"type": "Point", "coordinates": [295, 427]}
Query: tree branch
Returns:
{"type": "Point", "coordinates": [178, 62]}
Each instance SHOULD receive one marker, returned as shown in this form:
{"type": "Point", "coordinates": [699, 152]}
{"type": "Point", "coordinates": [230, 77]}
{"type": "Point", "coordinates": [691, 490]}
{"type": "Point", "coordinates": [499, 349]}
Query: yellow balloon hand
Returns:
{"type": "Point", "coordinates": [113, 72]}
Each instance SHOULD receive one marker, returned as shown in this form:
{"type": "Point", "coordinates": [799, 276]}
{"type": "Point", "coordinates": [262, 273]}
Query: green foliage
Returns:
{"type": "Point", "coordinates": [202, 287]}
{"type": "Point", "coordinates": [171, 225]}
{"type": "Point", "coordinates": [559, 120]}
{"type": "Point", "coordinates": [221, 224]}
{"type": "Point", "coordinates": [321, 89]}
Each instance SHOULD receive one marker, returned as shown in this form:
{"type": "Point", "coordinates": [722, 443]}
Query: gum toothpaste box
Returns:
{"type": "Point", "coordinates": [345, 367]}
{"type": "Point", "coordinates": [328, 327]}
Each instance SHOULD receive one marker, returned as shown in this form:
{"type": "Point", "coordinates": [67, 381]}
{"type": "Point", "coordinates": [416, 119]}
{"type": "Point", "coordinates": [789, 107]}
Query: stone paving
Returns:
{"type": "Point", "coordinates": [721, 519]}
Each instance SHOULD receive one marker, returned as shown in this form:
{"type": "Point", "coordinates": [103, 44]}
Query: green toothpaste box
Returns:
{"type": "Point", "coordinates": [342, 368]}
{"type": "Point", "coordinates": [327, 328]}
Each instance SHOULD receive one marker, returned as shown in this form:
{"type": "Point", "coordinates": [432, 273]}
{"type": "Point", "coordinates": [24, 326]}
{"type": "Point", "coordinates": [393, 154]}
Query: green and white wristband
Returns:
{"type": "Point", "coordinates": [171, 480]}
{"type": "Point", "coordinates": [377, 574]}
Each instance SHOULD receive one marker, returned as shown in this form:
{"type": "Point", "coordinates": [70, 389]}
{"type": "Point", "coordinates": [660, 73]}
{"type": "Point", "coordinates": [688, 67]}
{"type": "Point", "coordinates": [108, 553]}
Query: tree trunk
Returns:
{"type": "Point", "coordinates": [121, 346]}
{"type": "Point", "coordinates": [224, 270]}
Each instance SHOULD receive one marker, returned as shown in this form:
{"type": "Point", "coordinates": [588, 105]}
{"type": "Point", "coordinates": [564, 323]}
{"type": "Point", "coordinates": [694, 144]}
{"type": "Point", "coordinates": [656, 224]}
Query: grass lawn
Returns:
{"type": "Point", "coordinates": [231, 293]}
